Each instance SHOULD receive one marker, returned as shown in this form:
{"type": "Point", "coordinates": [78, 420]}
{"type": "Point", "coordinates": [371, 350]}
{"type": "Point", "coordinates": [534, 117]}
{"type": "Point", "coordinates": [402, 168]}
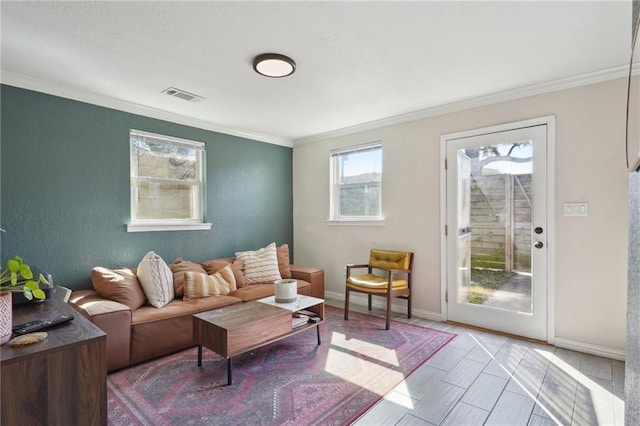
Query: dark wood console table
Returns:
{"type": "Point", "coordinates": [59, 381]}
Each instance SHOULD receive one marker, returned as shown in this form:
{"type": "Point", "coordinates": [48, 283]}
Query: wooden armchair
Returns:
{"type": "Point", "coordinates": [394, 281]}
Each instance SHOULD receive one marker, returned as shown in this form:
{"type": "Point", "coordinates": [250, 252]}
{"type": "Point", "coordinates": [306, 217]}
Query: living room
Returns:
{"type": "Point", "coordinates": [66, 186]}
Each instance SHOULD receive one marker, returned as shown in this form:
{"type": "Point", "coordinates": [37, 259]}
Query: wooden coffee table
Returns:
{"type": "Point", "coordinates": [236, 329]}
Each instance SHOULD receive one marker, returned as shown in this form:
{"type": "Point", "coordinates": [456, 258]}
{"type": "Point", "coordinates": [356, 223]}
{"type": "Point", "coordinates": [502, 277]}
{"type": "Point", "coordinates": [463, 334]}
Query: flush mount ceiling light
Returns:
{"type": "Point", "coordinates": [274, 65]}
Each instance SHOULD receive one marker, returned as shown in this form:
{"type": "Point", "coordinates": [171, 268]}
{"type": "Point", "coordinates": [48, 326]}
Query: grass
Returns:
{"type": "Point", "coordinates": [484, 282]}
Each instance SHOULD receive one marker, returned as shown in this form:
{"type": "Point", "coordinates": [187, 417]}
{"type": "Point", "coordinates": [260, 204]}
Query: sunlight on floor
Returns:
{"type": "Point", "coordinates": [370, 350]}
{"type": "Point", "coordinates": [342, 362]}
{"type": "Point", "coordinates": [588, 391]}
{"type": "Point", "coordinates": [562, 390]}
{"type": "Point", "coordinates": [401, 396]}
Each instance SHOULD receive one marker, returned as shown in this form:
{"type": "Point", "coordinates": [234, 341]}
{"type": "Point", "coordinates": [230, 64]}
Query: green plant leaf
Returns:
{"type": "Point", "coordinates": [27, 293]}
{"type": "Point", "coordinates": [39, 294]}
{"type": "Point", "coordinates": [25, 271]}
{"type": "Point", "coordinates": [42, 279]}
{"type": "Point", "coordinates": [14, 278]}
{"type": "Point", "coordinates": [32, 285]}
{"type": "Point", "coordinates": [13, 265]}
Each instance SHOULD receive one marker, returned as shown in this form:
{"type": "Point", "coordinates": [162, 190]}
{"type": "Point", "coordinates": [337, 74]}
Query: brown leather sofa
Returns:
{"type": "Point", "coordinates": [137, 335]}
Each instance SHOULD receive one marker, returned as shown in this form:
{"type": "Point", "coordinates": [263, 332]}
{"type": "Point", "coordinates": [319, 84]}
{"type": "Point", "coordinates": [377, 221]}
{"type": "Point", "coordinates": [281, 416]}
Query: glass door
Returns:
{"type": "Point", "coordinates": [496, 231]}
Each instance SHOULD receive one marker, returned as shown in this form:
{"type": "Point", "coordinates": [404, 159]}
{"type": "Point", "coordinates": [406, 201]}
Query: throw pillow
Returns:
{"type": "Point", "coordinates": [238, 272]}
{"type": "Point", "coordinates": [177, 268]}
{"type": "Point", "coordinates": [197, 286]}
{"type": "Point", "coordinates": [211, 266]}
{"type": "Point", "coordinates": [260, 266]}
{"type": "Point", "coordinates": [120, 285]}
{"type": "Point", "coordinates": [283, 261]}
{"type": "Point", "coordinates": [156, 280]}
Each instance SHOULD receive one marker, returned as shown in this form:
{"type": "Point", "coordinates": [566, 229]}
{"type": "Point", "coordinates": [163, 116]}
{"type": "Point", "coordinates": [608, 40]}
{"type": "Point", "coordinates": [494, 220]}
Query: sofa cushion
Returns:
{"type": "Point", "coordinates": [197, 286]}
{"type": "Point", "coordinates": [283, 261]}
{"type": "Point", "coordinates": [181, 308]}
{"type": "Point", "coordinates": [260, 291]}
{"type": "Point", "coordinates": [260, 266]}
{"type": "Point", "coordinates": [178, 267]}
{"type": "Point", "coordinates": [253, 292]}
{"type": "Point", "coordinates": [156, 280]}
{"type": "Point", "coordinates": [120, 285]}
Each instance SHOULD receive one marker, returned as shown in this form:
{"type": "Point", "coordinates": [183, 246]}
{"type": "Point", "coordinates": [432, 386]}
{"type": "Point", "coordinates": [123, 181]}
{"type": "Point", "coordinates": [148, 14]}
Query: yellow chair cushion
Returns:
{"type": "Point", "coordinates": [389, 259]}
{"type": "Point", "coordinates": [373, 283]}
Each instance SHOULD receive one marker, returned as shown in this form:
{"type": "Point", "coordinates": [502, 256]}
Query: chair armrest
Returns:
{"type": "Point", "coordinates": [400, 271]}
{"type": "Point", "coordinates": [313, 276]}
{"type": "Point", "coordinates": [351, 266]}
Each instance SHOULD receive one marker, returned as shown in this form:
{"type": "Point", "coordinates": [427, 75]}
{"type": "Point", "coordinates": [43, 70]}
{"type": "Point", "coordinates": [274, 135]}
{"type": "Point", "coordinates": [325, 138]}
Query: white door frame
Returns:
{"type": "Point", "coordinates": [549, 121]}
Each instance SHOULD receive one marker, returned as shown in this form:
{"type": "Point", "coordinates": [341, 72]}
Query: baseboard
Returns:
{"type": "Point", "coordinates": [379, 302]}
{"type": "Point", "coordinates": [401, 307]}
{"type": "Point", "coordinates": [588, 348]}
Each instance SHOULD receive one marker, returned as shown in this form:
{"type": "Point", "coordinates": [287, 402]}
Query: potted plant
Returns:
{"type": "Point", "coordinates": [15, 277]}
{"type": "Point", "coordinates": [286, 290]}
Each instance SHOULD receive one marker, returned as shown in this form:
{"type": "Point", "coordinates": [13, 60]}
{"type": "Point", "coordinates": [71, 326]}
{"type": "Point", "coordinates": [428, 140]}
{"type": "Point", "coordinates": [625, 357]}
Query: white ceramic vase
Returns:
{"type": "Point", "coordinates": [286, 290]}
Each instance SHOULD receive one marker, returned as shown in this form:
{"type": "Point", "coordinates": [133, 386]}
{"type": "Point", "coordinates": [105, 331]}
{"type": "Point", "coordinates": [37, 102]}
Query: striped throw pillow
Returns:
{"type": "Point", "coordinates": [198, 285]}
{"type": "Point", "coordinates": [260, 266]}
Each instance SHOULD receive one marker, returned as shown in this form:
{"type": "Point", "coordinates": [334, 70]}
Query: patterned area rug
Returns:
{"type": "Point", "coordinates": [290, 382]}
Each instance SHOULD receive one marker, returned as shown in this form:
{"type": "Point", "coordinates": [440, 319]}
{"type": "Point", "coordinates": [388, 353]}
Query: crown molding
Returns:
{"type": "Point", "coordinates": [24, 82]}
{"type": "Point", "coordinates": [55, 89]}
{"type": "Point", "coordinates": [508, 95]}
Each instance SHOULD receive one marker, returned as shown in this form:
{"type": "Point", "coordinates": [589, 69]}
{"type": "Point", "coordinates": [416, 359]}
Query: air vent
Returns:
{"type": "Point", "coordinates": [172, 91]}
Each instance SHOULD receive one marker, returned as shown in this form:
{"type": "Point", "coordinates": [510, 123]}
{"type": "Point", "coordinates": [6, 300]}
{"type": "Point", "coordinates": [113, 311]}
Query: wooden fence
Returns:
{"type": "Point", "coordinates": [501, 222]}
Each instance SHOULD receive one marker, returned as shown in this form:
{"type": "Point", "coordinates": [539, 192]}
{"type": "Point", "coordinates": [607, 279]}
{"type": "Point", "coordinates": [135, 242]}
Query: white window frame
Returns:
{"type": "Point", "coordinates": [147, 225]}
{"type": "Point", "coordinates": [335, 217]}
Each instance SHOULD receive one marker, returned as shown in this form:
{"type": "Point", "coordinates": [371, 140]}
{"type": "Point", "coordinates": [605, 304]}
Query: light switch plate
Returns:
{"type": "Point", "coordinates": [576, 209]}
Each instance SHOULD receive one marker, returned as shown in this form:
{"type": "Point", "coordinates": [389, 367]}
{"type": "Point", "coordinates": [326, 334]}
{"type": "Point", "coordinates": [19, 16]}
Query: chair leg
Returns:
{"type": "Point", "coordinates": [409, 306]}
{"type": "Point", "coordinates": [369, 296]}
{"type": "Point", "coordinates": [388, 325]}
{"type": "Point", "coordinates": [346, 304]}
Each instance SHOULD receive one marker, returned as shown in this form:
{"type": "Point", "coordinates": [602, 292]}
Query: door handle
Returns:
{"type": "Point", "coordinates": [538, 244]}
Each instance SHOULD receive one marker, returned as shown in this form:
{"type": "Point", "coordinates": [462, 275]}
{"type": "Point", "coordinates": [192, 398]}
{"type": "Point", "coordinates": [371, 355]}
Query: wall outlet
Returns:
{"type": "Point", "coordinates": [576, 209]}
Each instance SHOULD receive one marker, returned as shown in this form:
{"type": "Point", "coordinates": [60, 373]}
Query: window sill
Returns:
{"type": "Point", "coordinates": [152, 227]}
{"type": "Point", "coordinates": [356, 222]}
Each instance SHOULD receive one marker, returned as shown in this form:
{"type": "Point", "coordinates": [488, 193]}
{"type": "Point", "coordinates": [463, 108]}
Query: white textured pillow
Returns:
{"type": "Point", "coordinates": [156, 280]}
{"type": "Point", "coordinates": [260, 266]}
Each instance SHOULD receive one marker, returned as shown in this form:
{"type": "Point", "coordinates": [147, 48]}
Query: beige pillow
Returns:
{"type": "Point", "coordinates": [156, 280]}
{"type": "Point", "coordinates": [260, 266]}
{"type": "Point", "coordinates": [283, 261]}
{"type": "Point", "coordinates": [120, 285]}
{"type": "Point", "coordinates": [211, 266]}
{"type": "Point", "coordinates": [177, 268]}
{"type": "Point", "coordinates": [197, 286]}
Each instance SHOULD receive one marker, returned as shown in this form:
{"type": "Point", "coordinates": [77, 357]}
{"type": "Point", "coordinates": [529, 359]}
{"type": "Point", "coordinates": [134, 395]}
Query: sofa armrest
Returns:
{"type": "Point", "coordinates": [314, 276]}
{"type": "Point", "coordinates": [111, 317]}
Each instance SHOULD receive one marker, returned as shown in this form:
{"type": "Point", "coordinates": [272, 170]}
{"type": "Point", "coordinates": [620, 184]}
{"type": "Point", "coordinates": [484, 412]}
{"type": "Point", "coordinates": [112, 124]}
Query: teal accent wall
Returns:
{"type": "Point", "coordinates": [65, 198]}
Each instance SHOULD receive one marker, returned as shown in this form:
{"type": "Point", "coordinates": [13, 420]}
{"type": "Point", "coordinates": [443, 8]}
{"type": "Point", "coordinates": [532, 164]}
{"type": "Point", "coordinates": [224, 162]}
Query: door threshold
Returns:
{"type": "Point", "coordinates": [499, 333]}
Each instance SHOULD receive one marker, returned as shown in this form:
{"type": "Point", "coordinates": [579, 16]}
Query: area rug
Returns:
{"type": "Point", "coordinates": [291, 382]}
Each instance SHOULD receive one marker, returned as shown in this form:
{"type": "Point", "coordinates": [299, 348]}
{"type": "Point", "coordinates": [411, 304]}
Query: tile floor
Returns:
{"type": "Point", "coordinates": [481, 378]}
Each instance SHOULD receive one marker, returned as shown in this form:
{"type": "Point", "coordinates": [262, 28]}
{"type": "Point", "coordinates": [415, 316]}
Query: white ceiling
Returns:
{"type": "Point", "coordinates": [357, 62]}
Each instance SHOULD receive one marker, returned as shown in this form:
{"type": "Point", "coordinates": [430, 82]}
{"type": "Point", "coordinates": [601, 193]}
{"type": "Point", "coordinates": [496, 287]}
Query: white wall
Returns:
{"type": "Point", "coordinates": [591, 253]}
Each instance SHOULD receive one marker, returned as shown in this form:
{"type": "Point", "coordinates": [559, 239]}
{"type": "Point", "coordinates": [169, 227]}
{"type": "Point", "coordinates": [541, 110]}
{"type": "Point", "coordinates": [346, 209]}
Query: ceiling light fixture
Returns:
{"type": "Point", "coordinates": [274, 65]}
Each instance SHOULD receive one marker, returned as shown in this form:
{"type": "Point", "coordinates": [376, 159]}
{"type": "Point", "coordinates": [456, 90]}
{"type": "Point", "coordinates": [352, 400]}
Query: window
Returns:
{"type": "Point", "coordinates": [356, 183]}
{"type": "Point", "coordinates": [167, 190]}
